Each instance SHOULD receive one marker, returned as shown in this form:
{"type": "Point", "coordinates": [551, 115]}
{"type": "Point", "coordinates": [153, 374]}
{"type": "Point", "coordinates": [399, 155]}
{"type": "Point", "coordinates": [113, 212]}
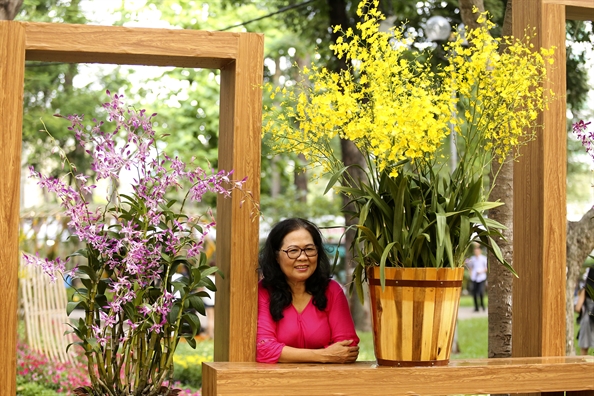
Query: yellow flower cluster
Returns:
{"type": "Point", "coordinates": [188, 361]}
{"type": "Point", "coordinates": [499, 94]}
{"type": "Point", "coordinates": [395, 109]}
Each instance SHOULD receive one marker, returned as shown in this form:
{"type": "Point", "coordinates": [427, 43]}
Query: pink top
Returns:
{"type": "Point", "coordinates": [310, 329]}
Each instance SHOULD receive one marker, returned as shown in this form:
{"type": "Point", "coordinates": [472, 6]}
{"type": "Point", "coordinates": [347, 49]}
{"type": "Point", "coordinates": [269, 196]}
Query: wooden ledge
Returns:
{"type": "Point", "coordinates": [480, 376]}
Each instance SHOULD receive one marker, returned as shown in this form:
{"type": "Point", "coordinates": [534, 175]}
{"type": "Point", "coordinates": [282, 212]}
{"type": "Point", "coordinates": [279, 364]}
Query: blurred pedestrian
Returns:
{"type": "Point", "coordinates": [585, 308]}
{"type": "Point", "coordinates": [477, 265]}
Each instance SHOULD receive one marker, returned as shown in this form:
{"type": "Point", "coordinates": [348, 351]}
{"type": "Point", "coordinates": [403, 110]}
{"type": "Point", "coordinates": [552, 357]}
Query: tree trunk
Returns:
{"type": "Point", "coordinates": [579, 243]}
{"type": "Point", "coordinates": [351, 155]}
{"type": "Point", "coordinates": [468, 15]}
{"type": "Point", "coordinates": [9, 9]}
{"type": "Point", "coordinates": [300, 174]}
{"type": "Point", "coordinates": [337, 11]}
{"type": "Point", "coordinates": [499, 279]}
{"type": "Point", "coordinates": [300, 179]}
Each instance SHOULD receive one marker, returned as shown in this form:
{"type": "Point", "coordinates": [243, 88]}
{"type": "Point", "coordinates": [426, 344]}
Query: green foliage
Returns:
{"type": "Point", "coordinates": [472, 338]}
{"type": "Point", "coordinates": [284, 206]}
{"type": "Point", "coordinates": [33, 389]}
{"type": "Point", "coordinates": [49, 89]}
{"type": "Point", "coordinates": [188, 362]}
{"type": "Point", "coordinates": [425, 219]}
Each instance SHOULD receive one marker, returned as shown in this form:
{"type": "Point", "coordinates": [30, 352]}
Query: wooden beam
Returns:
{"type": "Point", "coordinates": [538, 327]}
{"type": "Point", "coordinates": [576, 10]}
{"type": "Point", "coordinates": [133, 46]}
{"type": "Point", "coordinates": [482, 376]}
{"type": "Point", "coordinates": [12, 71]}
{"type": "Point", "coordinates": [236, 309]}
{"type": "Point", "coordinates": [574, 3]}
{"type": "Point", "coordinates": [579, 13]}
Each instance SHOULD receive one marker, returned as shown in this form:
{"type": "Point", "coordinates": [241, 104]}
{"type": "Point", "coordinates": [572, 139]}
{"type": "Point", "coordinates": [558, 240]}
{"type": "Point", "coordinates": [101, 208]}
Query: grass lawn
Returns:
{"type": "Point", "coordinates": [467, 301]}
{"type": "Point", "coordinates": [472, 337]}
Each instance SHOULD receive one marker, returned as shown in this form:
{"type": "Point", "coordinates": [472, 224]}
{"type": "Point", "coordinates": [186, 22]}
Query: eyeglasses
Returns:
{"type": "Point", "coordinates": [294, 253]}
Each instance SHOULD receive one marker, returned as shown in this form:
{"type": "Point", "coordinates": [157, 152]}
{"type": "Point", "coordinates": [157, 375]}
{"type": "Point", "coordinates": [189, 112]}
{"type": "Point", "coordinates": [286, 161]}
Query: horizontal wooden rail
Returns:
{"type": "Point", "coordinates": [481, 376]}
{"type": "Point", "coordinates": [133, 46]}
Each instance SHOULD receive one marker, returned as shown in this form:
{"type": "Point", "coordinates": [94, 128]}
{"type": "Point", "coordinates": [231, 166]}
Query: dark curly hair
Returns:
{"type": "Point", "coordinates": [274, 279]}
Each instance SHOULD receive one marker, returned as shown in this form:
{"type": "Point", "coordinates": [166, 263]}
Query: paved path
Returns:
{"type": "Point", "coordinates": [468, 313]}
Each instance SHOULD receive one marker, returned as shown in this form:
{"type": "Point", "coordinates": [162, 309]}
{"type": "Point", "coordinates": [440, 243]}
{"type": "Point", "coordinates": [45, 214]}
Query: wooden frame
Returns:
{"type": "Point", "coordinates": [540, 221]}
{"type": "Point", "coordinates": [480, 376]}
{"type": "Point", "coordinates": [240, 58]}
{"type": "Point", "coordinates": [538, 327]}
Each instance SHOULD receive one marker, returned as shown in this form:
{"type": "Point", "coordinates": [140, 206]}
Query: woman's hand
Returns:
{"type": "Point", "coordinates": [340, 352]}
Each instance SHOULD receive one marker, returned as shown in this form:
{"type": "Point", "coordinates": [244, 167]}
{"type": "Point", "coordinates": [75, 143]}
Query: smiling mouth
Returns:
{"type": "Point", "coordinates": [302, 267]}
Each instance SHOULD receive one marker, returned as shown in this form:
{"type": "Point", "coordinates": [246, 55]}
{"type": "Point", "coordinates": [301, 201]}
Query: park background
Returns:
{"type": "Point", "coordinates": [186, 100]}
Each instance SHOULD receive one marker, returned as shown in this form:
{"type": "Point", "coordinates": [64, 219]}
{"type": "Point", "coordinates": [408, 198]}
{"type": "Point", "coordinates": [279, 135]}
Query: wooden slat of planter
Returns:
{"type": "Point", "coordinates": [12, 70]}
{"type": "Point", "coordinates": [132, 46]}
{"type": "Point", "coordinates": [548, 374]}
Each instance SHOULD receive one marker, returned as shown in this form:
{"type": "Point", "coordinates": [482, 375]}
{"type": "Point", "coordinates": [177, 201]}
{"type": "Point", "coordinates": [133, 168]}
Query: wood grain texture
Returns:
{"type": "Point", "coordinates": [236, 310]}
{"type": "Point", "coordinates": [414, 325]}
{"type": "Point", "coordinates": [580, 13]}
{"type": "Point", "coordinates": [538, 328]}
{"type": "Point", "coordinates": [481, 376]}
{"type": "Point", "coordinates": [133, 46]}
{"type": "Point", "coordinates": [12, 70]}
{"type": "Point", "coordinates": [585, 4]}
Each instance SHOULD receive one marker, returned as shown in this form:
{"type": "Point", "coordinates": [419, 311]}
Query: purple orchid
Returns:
{"type": "Point", "coordinates": [134, 245]}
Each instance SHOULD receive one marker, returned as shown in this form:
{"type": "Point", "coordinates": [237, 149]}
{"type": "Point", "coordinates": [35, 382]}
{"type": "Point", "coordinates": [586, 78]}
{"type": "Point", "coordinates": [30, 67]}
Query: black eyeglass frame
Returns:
{"type": "Point", "coordinates": [300, 251]}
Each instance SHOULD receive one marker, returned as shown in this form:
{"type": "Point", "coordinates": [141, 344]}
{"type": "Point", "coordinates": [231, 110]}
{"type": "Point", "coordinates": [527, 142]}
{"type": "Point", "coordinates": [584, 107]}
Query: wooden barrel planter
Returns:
{"type": "Point", "coordinates": [414, 317]}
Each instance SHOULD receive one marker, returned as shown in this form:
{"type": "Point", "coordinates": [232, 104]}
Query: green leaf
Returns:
{"type": "Point", "coordinates": [379, 202]}
{"type": "Point", "coordinates": [358, 276]}
{"type": "Point", "coordinates": [335, 178]}
{"type": "Point", "coordinates": [193, 321]}
{"type": "Point", "coordinates": [448, 248]}
{"type": "Point", "coordinates": [174, 312]}
{"type": "Point", "coordinates": [71, 306]}
{"type": "Point", "coordinates": [209, 271]}
{"type": "Point", "coordinates": [130, 311]}
{"type": "Point", "coordinates": [369, 236]}
{"type": "Point", "coordinates": [86, 271]}
{"type": "Point", "coordinates": [80, 252]}
{"type": "Point", "coordinates": [385, 255]}
{"type": "Point", "coordinates": [494, 247]}
{"type": "Point", "coordinates": [197, 303]}
{"type": "Point", "coordinates": [490, 223]}
{"type": "Point", "coordinates": [482, 206]}
{"type": "Point", "coordinates": [191, 342]}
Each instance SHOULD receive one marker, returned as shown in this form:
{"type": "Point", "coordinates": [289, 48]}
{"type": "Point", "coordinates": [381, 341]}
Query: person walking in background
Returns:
{"type": "Point", "coordinates": [585, 308]}
{"type": "Point", "coordinates": [477, 265]}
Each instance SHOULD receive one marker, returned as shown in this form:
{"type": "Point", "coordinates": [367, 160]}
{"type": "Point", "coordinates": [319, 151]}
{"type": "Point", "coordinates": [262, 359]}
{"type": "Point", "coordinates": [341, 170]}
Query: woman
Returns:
{"type": "Point", "coordinates": [585, 307]}
{"type": "Point", "coordinates": [303, 315]}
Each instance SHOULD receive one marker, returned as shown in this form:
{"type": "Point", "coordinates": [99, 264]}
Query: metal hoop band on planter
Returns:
{"type": "Point", "coordinates": [412, 363]}
{"type": "Point", "coordinates": [416, 283]}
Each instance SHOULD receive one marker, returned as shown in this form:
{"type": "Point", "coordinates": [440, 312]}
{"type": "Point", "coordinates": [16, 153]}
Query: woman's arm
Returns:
{"type": "Point", "coordinates": [268, 349]}
{"type": "Point", "coordinates": [339, 352]}
{"type": "Point", "coordinates": [580, 300]}
{"type": "Point", "coordinates": [339, 315]}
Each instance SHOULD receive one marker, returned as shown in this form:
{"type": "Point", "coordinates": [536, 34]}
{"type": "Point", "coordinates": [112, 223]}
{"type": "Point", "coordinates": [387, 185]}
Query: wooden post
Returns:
{"type": "Point", "coordinates": [12, 70]}
{"type": "Point", "coordinates": [538, 327]}
{"type": "Point", "coordinates": [236, 306]}
{"type": "Point", "coordinates": [240, 56]}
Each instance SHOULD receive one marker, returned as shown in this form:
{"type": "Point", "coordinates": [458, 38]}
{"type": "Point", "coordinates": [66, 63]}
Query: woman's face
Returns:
{"type": "Point", "coordinates": [297, 269]}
